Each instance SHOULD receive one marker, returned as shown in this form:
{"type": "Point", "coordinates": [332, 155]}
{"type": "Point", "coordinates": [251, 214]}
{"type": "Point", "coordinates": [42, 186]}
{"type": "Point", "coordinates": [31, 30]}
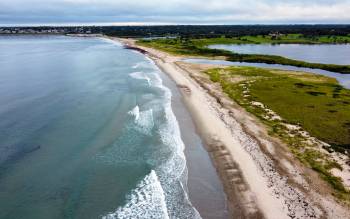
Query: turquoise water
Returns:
{"type": "Point", "coordinates": [87, 131]}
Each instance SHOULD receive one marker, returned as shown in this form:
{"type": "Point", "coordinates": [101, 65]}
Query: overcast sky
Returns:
{"type": "Point", "coordinates": [174, 11]}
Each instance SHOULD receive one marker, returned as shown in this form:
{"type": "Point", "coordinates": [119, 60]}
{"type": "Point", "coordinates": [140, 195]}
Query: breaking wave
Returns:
{"type": "Point", "coordinates": [141, 76]}
{"type": "Point", "coordinates": [146, 201]}
{"type": "Point", "coordinates": [144, 64]}
{"type": "Point", "coordinates": [162, 193]}
{"type": "Point", "coordinates": [143, 120]}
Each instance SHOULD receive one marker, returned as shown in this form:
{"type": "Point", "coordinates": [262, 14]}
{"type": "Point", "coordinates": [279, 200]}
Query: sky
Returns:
{"type": "Point", "coordinates": [136, 12]}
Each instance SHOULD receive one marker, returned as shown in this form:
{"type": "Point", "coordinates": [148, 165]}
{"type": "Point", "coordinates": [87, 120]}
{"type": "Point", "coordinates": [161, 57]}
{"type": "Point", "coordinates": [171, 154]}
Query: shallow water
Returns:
{"type": "Point", "coordinates": [343, 79]}
{"type": "Point", "coordinates": [205, 189]}
{"type": "Point", "coordinates": [87, 131]}
{"type": "Point", "coordinates": [325, 53]}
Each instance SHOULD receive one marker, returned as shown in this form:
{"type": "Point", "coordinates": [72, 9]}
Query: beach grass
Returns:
{"type": "Point", "coordinates": [316, 103]}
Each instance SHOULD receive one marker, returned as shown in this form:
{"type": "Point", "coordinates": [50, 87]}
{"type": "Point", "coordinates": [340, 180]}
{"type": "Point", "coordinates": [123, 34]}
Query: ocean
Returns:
{"type": "Point", "coordinates": [87, 130]}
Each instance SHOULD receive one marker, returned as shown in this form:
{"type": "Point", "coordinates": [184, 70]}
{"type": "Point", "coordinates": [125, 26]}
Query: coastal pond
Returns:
{"type": "Point", "coordinates": [343, 79]}
{"type": "Point", "coordinates": [323, 53]}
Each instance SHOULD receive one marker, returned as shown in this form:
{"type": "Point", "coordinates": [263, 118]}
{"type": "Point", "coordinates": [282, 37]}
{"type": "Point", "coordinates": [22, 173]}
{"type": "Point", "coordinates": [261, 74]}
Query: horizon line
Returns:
{"type": "Point", "coordinates": [121, 24]}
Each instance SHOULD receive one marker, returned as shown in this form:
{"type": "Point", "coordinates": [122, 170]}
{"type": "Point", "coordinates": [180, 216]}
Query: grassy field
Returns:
{"type": "Point", "coordinates": [182, 47]}
{"type": "Point", "coordinates": [316, 103]}
{"type": "Point", "coordinates": [283, 39]}
{"type": "Point", "coordinates": [198, 47]}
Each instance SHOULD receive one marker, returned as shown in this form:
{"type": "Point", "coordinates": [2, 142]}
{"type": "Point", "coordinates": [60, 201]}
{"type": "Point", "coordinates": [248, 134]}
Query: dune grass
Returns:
{"type": "Point", "coordinates": [316, 103]}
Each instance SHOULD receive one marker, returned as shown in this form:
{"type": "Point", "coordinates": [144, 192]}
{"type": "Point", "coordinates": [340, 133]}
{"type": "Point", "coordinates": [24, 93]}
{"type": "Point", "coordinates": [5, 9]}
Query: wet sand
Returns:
{"type": "Point", "coordinates": [204, 186]}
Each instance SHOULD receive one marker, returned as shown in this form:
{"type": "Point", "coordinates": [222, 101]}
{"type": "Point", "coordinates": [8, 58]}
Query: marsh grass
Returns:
{"type": "Point", "coordinates": [198, 47]}
{"type": "Point", "coordinates": [303, 99]}
{"type": "Point", "coordinates": [282, 39]}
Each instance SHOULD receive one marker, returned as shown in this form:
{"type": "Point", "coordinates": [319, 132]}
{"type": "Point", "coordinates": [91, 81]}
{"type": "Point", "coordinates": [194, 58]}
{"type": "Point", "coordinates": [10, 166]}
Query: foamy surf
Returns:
{"type": "Point", "coordinates": [146, 201]}
{"type": "Point", "coordinates": [135, 112]}
{"type": "Point", "coordinates": [145, 64]}
{"type": "Point", "coordinates": [174, 172]}
{"type": "Point", "coordinates": [112, 151]}
{"type": "Point", "coordinates": [110, 41]}
{"type": "Point", "coordinates": [141, 76]}
{"type": "Point", "coordinates": [162, 193]}
{"type": "Point", "coordinates": [143, 120]}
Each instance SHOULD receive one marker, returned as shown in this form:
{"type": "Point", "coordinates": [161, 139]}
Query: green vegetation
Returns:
{"type": "Point", "coordinates": [316, 103]}
{"type": "Point", "coordinates": [276, 39]}
{"type": "Point", "coordinates": [181, 46]}
{"type": "Point", "coordinates": [214, 31]}
{"type": "Point", "coordinates": [198, 47]}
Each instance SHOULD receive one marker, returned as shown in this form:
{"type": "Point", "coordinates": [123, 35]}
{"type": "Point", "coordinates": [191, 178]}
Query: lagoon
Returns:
{"type": "Point", "coordinates": [324, 53]}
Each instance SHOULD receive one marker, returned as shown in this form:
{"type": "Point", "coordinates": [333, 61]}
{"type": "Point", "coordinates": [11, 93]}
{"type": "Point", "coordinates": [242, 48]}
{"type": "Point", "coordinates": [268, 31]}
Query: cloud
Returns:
{"type": "Point", "coordinates": [175, 11]}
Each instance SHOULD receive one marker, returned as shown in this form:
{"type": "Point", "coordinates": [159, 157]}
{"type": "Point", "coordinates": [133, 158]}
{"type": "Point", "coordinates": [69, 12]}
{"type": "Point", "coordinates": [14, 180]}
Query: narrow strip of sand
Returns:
{"type": "Point", "coordinates": [254, 182]}
{"type": "Point", "coordinates": [205, 189]}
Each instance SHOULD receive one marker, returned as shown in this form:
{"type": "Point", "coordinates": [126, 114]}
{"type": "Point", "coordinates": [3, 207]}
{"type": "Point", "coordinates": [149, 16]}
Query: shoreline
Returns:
{"type": "Point", "coordinates": [205, 189]}
{"type": "Point", "coordinates": [257, 184]}
{"type": "Point", "coordinates": [240, 200]}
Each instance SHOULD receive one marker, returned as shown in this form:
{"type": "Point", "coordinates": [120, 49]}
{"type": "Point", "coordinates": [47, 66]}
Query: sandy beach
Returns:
{"type": "Point", "coordinates": [261, 178]}
{"type": "Point", "coordinates": [205, 189]}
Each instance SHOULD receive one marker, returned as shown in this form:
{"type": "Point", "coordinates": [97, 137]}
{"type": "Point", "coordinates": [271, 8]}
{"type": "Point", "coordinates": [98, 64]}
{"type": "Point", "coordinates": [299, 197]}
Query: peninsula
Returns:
{"type": "Point", "coordinates": [270, 167]}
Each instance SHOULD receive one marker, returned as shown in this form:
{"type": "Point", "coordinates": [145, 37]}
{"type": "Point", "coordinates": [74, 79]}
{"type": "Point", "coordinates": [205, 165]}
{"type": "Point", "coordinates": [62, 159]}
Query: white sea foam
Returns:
{"type": "Point", "coordinates": [146, 201]}
{"type": "Point", "coordinates": [141, 76]}
{"type": "Point", "coordinates": [165, 197]}
{"type": "Point", "coordinates": [143, 120]}
{"type": "Point", "coordinates": [137, 65]}
{"type": "Point", "coordinates": [135, 112]}
{"type": "Point", "coordinates": [145, 64]}
{"type": "Point", "coordinates": [173, 172]}
{"type": "Point", "coordinates": [110, 41]}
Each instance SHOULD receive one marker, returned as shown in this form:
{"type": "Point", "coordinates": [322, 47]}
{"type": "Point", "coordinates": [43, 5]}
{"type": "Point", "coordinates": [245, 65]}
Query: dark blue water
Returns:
{"type": "Point", "coordinates": [325, 53]}
{"type": "Point", "coordinates": [86, 131]}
